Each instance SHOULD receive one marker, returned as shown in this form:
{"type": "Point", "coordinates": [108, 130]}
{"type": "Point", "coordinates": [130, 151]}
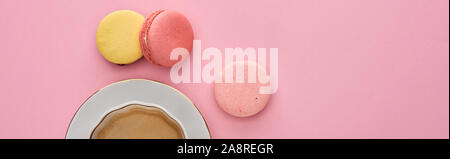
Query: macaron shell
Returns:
{"type": "Point", "coordinates": [143, 35]}
{"type": "Point", "coordinates": [118, 36]}
{"type": "Point", "coordinates": [241, 99]}
{"type": "Point", "coordinates": [168, 30]}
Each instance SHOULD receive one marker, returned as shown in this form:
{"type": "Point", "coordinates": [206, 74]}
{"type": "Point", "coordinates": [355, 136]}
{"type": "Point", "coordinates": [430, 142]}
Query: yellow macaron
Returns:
{"type": "Point", "coordinates": [118, 36]}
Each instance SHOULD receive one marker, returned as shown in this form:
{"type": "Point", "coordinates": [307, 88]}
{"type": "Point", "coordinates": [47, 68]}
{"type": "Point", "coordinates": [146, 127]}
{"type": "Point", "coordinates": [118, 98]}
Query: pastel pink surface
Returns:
{"type": "Point", "coordinates": [166, 31]}
{"type": "Point", "coordinates": [241, 99]}
{"type": "Point", "coordinates": [347, 69]}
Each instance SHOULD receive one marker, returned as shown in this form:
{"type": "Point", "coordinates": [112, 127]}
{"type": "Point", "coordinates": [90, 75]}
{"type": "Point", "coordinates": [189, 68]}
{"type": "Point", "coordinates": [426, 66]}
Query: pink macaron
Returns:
{"type": "Point", "coordinates": [162, 32]}
{"type": "Point", "coordinates": [241, 99]}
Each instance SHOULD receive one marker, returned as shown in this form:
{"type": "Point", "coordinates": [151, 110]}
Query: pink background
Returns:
{"type": "Point", "coordinates": [348, 68]}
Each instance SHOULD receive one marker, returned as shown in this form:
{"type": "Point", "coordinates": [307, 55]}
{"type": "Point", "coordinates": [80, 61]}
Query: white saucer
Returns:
{"type": "Point", "coordinates": [138, 91]}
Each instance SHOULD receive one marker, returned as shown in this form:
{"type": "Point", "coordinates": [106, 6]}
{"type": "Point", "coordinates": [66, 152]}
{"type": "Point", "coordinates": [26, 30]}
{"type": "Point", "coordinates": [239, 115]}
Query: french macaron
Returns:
{"type": "Point", "coordinates": [163, 31]}
{"type": "Point", "coordinates": [241, 99]}
{"type": "Point", "coordinates": [117, 36]}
